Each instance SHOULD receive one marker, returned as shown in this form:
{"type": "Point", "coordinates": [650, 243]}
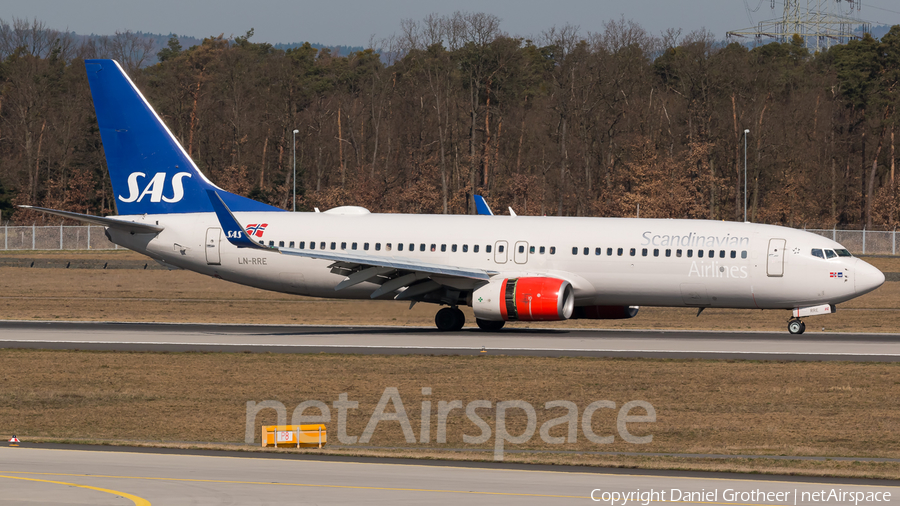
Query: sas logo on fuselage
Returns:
{"type": "Point", "coordinates": [154, 188]}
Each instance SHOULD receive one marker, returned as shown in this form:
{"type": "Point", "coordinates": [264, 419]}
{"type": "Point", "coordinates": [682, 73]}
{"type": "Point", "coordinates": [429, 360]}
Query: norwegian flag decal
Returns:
{"type": "Point", "coordinates": [256, 230]}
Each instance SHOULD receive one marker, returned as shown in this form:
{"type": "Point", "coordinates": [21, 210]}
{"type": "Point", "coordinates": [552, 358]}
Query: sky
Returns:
{"type": "Point", "coordinates": [355, 22]}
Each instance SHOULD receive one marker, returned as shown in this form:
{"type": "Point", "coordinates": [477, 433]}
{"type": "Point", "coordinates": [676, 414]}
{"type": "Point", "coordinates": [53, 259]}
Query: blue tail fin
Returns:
{"type": "Point", "coordinates": [149, 169]}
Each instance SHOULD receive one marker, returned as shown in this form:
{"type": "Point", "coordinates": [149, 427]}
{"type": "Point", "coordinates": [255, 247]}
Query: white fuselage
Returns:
{"type": "Point", "coordinates": [740, 267]}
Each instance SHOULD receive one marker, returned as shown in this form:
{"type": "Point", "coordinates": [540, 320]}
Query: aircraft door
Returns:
{"type": "Point", "coordinates": [521, 253]}
{"type": "Point", "coordinates": [500, 253]}
{"type": "Point", "coordinates": [213, 236]}
{"type": "Point", "coordinates": [775, 258]}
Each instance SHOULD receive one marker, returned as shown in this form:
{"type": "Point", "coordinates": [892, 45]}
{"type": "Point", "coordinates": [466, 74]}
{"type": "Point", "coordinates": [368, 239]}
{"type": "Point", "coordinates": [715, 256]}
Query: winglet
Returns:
{"type": "Point", "coordinates": [481, 206]}
{"type": "Point", "coordinates": [234, 232]}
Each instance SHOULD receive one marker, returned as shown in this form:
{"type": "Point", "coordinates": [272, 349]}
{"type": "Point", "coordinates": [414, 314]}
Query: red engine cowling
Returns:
{"type": "Point", "coordinates": [525, 299]}
{"type": "Point", "coordinates": [605, 312]}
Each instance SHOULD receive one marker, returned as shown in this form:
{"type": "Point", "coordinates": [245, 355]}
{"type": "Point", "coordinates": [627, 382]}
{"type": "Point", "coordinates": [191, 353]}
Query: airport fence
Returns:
{"type": "Point", "coordinates": [862, 242]}
{"type": "Point", "coordinates": [58, 237]}
{"type": "Point", "coordinates": [61, 237]}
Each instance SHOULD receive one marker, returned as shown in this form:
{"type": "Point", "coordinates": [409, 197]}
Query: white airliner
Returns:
{"type": "Point", "coordinates": [505, 267]}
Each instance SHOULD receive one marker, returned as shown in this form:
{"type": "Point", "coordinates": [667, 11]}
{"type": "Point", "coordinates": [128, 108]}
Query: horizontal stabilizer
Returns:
{"type": "Point", "coordinates": [118, 224]}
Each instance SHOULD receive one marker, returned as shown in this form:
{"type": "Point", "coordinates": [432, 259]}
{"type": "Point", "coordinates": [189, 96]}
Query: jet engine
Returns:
{"type": "Point", "coordinates": [525, 299]}
{"type": "Point", "coordinates": [605, 312]}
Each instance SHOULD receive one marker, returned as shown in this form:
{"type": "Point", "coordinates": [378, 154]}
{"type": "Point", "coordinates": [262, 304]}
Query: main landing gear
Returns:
{"type": "Point", "coordinates": [488, 325]}
{"type": "Point", "coordinates": [796, 326]}
{"type": "Point", "coordinates": [450, 319]}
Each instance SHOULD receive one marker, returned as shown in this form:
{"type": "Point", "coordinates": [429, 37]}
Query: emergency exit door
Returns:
{"type": "Point", "coordinates": [775, 258]}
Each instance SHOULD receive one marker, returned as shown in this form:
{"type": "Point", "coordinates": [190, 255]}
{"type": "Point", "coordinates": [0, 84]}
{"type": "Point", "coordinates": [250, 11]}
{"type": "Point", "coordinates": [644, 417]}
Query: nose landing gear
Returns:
{"type": "Point", "coordinates": [450, 319]}
{"type": "Point", "coordinates": [796, 326]}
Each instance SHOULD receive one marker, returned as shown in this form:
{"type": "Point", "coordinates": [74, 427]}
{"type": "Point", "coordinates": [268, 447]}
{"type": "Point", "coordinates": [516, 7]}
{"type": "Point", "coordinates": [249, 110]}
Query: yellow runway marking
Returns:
{"type": "Point", "coordinates": [353, 487]}
{"type": "Point", "coordinates": [133, 498]}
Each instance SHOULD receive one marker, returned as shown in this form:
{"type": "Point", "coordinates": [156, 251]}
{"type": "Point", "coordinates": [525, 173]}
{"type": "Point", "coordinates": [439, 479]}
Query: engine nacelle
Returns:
{"type": "Point", "coordinates": [525, 299]}
{"type": "Point", "coordinates": [605, 312]}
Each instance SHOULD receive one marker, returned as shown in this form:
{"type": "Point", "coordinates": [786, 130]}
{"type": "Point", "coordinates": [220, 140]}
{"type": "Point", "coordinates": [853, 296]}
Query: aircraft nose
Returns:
{"type": "Point", "coordinates": [867, 277]}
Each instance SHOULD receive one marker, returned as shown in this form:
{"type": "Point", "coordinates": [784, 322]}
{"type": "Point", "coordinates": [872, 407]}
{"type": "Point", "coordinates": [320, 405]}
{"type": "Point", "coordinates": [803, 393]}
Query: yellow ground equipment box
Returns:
{"type": "Point", "coordinates": [284, 436]}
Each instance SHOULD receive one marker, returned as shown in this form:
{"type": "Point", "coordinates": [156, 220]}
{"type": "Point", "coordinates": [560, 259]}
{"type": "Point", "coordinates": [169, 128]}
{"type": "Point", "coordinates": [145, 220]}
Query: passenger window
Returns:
{"type": "Point", "coordinates": [598, 251]}
{"type": "Point", "coordinates": [465, 248]}
{"type": "Point", "coordinates": [655, 252]}
{"type": "Point", "coordinates": [412, 247]}
{"type": "Point", "coordinates": [387, 247]}
{"type": "Point", "coordinates": [272, 243]}
{"type": "Point", "coordinates": [343, 245]}
{"type": "Point", "coordinates": [830, 254]}
{"type": "Point", "coordinates": [575, 250]}
{"type": "Point", "coordinates": [531, 250]}
{"type": "Point", "coordinates": [552, 250]}
{"type": "Point", "coordinates": [678, 253]}
{"type": "Point", "coordinates": [668, 252]}
{"type": "Point", "coordinates": [500, 248]}
{"type": "Point", "coordinates": [443, 248]}
{"type": "Point", "coordinates": [521, 249]}
{"type": "Point", "coordinates": [422, 246]}
{"type": "Point", "coordinates": [377, 246]}
{"type": "Point", "coordinates": [699, 253]}
{"type": "Point", "coordinates": [644, 252]}
{"type": "Point", "coordinates": [733, 254]}
{"type": "Point", "coordinates": [609, 252]}
{"type": "Point", "coordinates": [816, 252]}
{"type": "Point", "coordinates": [322, 245]}
{"type": "Point", "coordinates": [291, 244]}
{"type": "Point", "coordinates": [633, 251]}
{"type": "Point", "coordinates": [744, 254]}
{"type": "Point", "coordinates": [475, 248]}
{"type": "Point", "coordinates": [302, 244]}
{"type": "Point", "coordinates": [312, 245]}
{"type": "Point", "coordinates": [542, 250]}
{"type": "Point", "coordinates": [721, 253]}
{"type": "Point", "coordinates": [487, 249]}
{"type": "Point", "coordinates": [280, 244]}
{"type": "Point", "coordinates": [453, 248]}
{"type": "Point", "coordinates": [690, 253]}
{"type": "Point", "coordinates": [333, 246]}
{"type": "Point", "coordinates": [366, 246]}
{"type": "Point", "coordinates": [433, 248]}
{"type": "Point", "coordinates": [353, 246]}
{"type": "Point", "coordinates": [620, 251]}
{"type": "Point", "coordinates": [399, 246]}
{"type": "Point", "coordinates": [712, 254]}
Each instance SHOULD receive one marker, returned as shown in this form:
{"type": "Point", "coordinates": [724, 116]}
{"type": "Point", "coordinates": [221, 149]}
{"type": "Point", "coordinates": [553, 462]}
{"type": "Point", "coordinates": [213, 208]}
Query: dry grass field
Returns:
{"type": "Point", "coordinates": [720, 407]}
{"type": "Point", "coordinates": [183, 296]}
{"type": "Point", "coordinates": [819, 409]}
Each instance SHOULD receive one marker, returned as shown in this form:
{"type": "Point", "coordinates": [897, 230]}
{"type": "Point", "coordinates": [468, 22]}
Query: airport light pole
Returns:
{"type": "Point", "coordinates": [294, 145]}
{"type": "Point", "coordinates": [746, 131]}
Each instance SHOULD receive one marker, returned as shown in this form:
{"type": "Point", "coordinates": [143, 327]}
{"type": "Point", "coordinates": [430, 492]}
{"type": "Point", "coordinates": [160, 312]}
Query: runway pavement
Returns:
{"type": "Point", "coordinates": [174, 477]}
{"type": "Point", "coordinates": [407, 340]}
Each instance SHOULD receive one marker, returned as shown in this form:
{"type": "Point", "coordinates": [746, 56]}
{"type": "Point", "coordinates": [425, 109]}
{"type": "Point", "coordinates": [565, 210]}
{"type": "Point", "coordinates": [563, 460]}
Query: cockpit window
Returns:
{"type": "Point", "coordinates": [843, 253]}
{"type": "Point", "coordinates": [816, 252]}
{"type": "Point", "coordinates": [830, 254]}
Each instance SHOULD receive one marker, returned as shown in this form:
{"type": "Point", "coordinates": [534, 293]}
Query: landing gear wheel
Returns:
{"type": "Point", "coordinates": [449, 319]}
{"type": "Point", "coordinates": [796, 327]}
{"type": "Point", "coordinates": [490, 326]}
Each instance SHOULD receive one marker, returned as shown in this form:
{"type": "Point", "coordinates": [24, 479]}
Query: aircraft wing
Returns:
{"type": "Point", "coordinates": [116, 223]}
{"type": "Point", "coordinates": [392, 273]}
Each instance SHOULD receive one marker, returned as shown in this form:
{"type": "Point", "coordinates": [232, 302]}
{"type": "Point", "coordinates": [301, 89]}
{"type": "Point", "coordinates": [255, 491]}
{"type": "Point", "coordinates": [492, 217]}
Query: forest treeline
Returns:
{"type": "Point", "coordinates": [586, 124]}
